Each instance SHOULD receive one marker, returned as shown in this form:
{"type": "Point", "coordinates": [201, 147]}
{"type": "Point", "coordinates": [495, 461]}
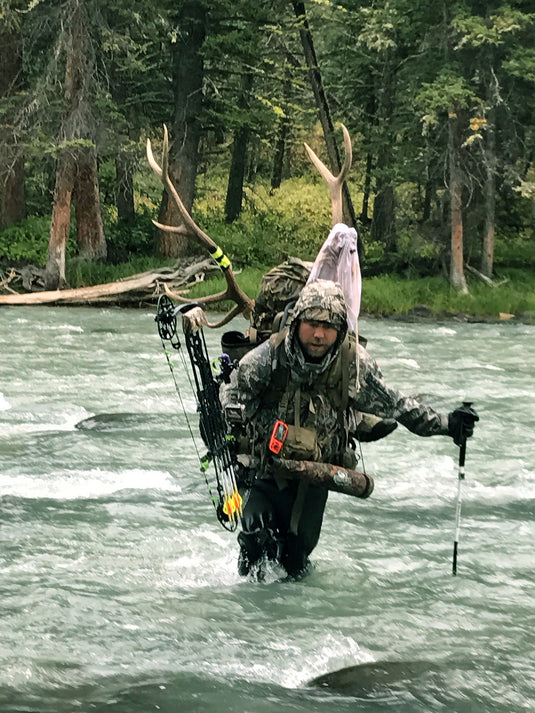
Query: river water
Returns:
{"type": "Point", "coordinates": [119, 590]}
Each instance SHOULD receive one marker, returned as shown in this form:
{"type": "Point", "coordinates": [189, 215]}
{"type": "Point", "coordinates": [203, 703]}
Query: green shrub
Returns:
{"type": "Point", "coordinates": [27, 241]}
{"type": "Point", "coordinates": [293, 220]}
{"type": "Point", "coordinates": [129, 239]}
{"type": "Point", "coordinates": [514, 251]}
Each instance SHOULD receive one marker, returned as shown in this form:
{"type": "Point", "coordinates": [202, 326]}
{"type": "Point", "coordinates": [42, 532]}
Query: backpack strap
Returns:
{"type": "Point", "coordinates": [277, 352]}
{"type": "Point", "coordinates": [345, 356]}
{"type": "Point", "coordinates": [278, 338]}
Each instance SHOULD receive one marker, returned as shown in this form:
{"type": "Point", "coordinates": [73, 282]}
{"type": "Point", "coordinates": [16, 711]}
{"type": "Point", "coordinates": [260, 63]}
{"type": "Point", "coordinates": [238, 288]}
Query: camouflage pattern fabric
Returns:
{"type": "Point", "coordinates": [252, 383]}
{"type": "Point", "coordinates": [323, 301]}
{"type": "Point", "coordinates": [281, 285]}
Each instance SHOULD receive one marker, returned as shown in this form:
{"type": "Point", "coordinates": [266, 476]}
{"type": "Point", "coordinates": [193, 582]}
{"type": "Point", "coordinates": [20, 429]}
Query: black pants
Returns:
{"type": "Point", "coordinates": [266, 526]}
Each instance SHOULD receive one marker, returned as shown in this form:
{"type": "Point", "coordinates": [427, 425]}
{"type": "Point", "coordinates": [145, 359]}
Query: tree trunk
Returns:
{"type": "Point", "coordinates": [489, 153]}
{"type": "Point", "coordinates": [280, 150]}
{"type": "Point", "coordinates": [364, 217]}
{"type": "Point", "coordinates": [233, 202]}
{"type": "Point", "coordinates": [384, 207]}
{"type": "Point", "coordinates": [322, 105]}
{"type": "Point", "coordinates": [12, 194]}
{"type": "Point", "coordinates": [384, 210]}
{"type": "Point", "coordinates": [90, 232]}
{"type": "Point", "coordinates": [61, 221]}
{"type": "Point", "coordinates": [124, 186]}
{"type": "Point", "coordinates": [283, 131]}
{"type": "Point", "coordinates": [457, 278]}
{"type": "Point", "coordinates": [429, 192]}
{"type": "Point", "coordinates": [76, 172]}
{"type": "Point", "coordinates": [487, 257]}
{"type": "Point", "coordinates": [187, 128]}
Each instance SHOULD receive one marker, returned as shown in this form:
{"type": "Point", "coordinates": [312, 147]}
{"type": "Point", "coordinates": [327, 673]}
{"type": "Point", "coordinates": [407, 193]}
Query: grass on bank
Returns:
{"type": "Point", "coordinates": [291, 221]}
{"type": "Point", "coordinates": [388, 294]}
{"type": "Point", "coordinates": [82, 273]}
{"type": "Point", "coordinates": [396, 295]}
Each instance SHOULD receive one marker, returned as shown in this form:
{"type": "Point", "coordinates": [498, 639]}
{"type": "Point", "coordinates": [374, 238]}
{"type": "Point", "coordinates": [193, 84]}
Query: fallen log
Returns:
{"type": "Point", "coordinates": [487, 280]}
{"type": "Point", "coordinates": [143, 287]}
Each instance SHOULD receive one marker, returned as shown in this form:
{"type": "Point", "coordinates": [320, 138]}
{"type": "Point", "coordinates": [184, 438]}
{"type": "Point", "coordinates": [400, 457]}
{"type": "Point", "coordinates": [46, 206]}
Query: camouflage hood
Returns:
{"type": "Point", "coordinates": [321, 301]}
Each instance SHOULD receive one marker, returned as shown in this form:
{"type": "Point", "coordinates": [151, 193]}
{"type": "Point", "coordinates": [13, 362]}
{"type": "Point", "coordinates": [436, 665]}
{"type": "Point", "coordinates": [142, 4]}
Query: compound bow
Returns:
{"type": "Point", "coordinates": [212, 425]}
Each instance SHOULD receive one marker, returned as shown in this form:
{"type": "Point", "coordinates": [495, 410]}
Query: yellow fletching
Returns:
{"type": "Point", "coordinates": [232, 505]}
{"type": "Point", "coordinates": [238, 500]}
{"type": "Point", "coordinates": [229, 507]}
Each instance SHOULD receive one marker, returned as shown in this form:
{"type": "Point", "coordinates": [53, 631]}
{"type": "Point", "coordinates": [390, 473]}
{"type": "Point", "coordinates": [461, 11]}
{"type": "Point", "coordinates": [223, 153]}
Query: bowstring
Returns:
{"type": "Point", "coordinates": [184, 411]}
{"type": "Point", "coordinates": [219, 455]}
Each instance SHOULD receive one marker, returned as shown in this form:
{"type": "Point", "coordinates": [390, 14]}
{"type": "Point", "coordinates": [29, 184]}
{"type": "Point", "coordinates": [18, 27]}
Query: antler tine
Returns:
{"type": "Point", "coordinates": [244, 304]}
{"type": "Point", "coordinates": [234, 312]}
{"type": "Point", "coordinates": [163, 173]}
{"type": "Point", "coordinates": [335, 183]}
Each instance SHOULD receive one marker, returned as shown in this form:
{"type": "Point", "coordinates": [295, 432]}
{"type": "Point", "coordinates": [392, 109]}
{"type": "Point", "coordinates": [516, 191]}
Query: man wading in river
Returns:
{"type": "Point", "coordinates": [312, 381]}
{"type": "Point", "coordinates": [315, 379]}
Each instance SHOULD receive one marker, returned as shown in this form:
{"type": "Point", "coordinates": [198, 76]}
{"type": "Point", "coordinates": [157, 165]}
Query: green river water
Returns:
{"type": "Point", "coordinates": [119, 590]}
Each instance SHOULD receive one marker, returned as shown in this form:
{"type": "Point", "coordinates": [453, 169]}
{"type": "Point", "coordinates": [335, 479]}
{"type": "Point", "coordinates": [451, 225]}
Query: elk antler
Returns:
{"type": "Point", "coordinates": [335, 183]}
{"type": "Point", "coordinates": [244, 304]}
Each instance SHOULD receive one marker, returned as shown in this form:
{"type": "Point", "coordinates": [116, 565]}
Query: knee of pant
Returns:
{"type": "Point", "coordinates": [258, 544]}
{"type": "Point", "coordinates": [255, 520]}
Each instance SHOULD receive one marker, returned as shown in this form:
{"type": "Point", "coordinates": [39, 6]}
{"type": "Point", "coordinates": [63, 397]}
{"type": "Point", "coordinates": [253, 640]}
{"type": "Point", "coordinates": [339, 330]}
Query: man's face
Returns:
{"type": "Point", "coordinates": [316, 338]}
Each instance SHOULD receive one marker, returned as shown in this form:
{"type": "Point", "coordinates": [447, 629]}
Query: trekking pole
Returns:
{"type": "Point", "coordinates": [462, 456]}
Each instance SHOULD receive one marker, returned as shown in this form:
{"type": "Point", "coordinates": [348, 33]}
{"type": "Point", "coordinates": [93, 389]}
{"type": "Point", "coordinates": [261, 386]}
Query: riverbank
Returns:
{"type": "Point", "coordinates": [509, 297]}
{"type": "Point", "coordinates": [422, 313]}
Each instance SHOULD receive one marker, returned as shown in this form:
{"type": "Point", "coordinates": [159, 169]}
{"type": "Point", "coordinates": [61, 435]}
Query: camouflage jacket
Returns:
{"type": "Point", "coordinates": [275, 378]}
{"type": "Point", "coordinates": [252, 386]}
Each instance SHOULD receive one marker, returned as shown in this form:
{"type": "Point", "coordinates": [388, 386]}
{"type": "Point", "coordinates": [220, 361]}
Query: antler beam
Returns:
{"type": "Point", "coordinates": [244, 304]}
{"type": "Point", "coordinates": [335, 183]}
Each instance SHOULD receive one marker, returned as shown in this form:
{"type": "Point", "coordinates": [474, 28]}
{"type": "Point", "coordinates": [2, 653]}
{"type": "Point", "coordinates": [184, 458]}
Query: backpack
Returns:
{"type": "Point", "coordinates": [278, 288]}
{"type": "Point", "coordinates": [277, 292]}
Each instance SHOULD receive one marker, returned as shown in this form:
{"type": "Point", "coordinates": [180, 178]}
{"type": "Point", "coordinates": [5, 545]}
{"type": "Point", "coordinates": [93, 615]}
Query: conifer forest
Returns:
{"type": "Point", "coordinates": [438, 98]}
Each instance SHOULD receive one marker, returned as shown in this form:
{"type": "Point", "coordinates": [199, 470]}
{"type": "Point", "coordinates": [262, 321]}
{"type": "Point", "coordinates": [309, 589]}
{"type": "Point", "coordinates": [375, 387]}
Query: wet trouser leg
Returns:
{"type": "Point", "coordinates": [298, 547]}
{"type": "Point", "coordinates": [259, 538]}
{"type": "Point", "coordinates": [266, 526]}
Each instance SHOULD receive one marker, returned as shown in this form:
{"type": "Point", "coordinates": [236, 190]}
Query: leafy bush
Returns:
{"type": "Point", "coordinates": [514, 251]}
{"type": "Point", "coordinates": [272, 225]}
{"type": "Point", "coordinates": [129, 239]}
{"type": "Point", "coordinates": [27, 241]}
